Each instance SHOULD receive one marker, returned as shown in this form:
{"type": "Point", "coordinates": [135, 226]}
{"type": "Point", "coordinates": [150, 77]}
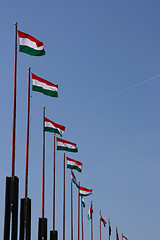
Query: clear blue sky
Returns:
{"type": "Point", "coordinates": [94, 49]}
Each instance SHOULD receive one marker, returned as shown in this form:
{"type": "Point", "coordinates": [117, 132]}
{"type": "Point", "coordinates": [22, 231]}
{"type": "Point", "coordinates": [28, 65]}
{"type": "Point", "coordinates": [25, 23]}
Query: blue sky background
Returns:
{"type": "Point", "coordinates": [94, 49]}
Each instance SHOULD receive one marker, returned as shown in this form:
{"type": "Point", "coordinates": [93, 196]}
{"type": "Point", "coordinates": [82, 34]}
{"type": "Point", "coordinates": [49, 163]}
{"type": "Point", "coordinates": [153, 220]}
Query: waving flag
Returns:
{"type": "Point", "coordinates": [50, 126]}
{"type": "Point", "coordinates": [90, 212]}
{"type": "Point", "coordinates": [30, 45]}
{"type": "Point", "coordinates": [102, 220]}
{"type": "Point", "coordinates": [74, 180]}
{"type": "Point", "coordinates": [66, 145]}
{"type": "Point", "coordinates": [83, 202]}
{"type": "Point", "coordinates": [109, 227]}
{"type": "Point", "coordinates": [43, 86]}
{"type": "Point", "coordinates": [123, 237]}
{"type": "Point", "coordinates": [117, 237]}
{"type": "Point", "coordinates": [84, 191]}
{"type": "Point", "coordinates": [73, 164]}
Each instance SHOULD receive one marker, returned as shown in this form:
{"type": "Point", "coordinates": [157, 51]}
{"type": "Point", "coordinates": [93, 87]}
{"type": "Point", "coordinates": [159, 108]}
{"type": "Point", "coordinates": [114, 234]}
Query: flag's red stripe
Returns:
{"type": "Point", "coordinates": [64, 141]}
{"type": "Point", "coordinates": [25, 35]}
{"type": "Point", "coordinates": [77, 162]}
{"type": "Point", "coordinates": [85, 189]}
{"type": "Point", "coordinates": [55, 124]}
{"type": "Point", "coordinates": [43, 81]}
{"type": "Point", "coordinates": [73, 175]}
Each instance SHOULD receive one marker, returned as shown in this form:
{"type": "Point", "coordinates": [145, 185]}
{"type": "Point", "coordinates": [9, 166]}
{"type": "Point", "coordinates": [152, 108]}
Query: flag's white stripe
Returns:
{"type": "Point", "coordinates": [29, 43]}
{"type": "Point", "coordinates": [73, 164]}
{"type": "Point", "coordinates": [50, 125]}
{"type": "Point", "coordinates": [74, 180]}
{"type": "Point", "coordinates": [60, 144]}
{"type": "Point", "coordinates": [44, 85]}
{"type": "Point", "coordinates": [84, 192]}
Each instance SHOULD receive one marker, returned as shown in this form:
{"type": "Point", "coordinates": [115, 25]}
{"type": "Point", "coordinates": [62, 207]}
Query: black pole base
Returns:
{"type": "Point", "coordinates": [54, 235]}
{"type": "Point", "coordinates": [11, 207]}
{"type": "Point", "coordinates": [42, 229]}
{"type": "Point", "coordinates": [25, 219]}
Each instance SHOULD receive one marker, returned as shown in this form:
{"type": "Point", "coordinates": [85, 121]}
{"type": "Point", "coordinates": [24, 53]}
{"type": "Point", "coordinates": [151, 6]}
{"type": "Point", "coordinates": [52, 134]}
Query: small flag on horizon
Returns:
{"type": "Point", "coordinates": [84, 191]}
{"type": "Point", "coordinates": [73, 164]}
{"type": "Point", "coordinates": [102, 220]}
{"type": "Point", "coordinates": [66, 145]}
{"type": "Point", "coordinates": [74, 180]}
{"type": "Point", "coordinates": [123, 237]}
{"type": "Point", "coordinates": [44, 86]}
{"type": "Point", "coordinates": [30, 45]}
{"type": "Point", "coordinates": [83, 202]}
{"type": "Point", "coordinates": [50, 126]}
{"type": "Point", "coordinates": [90, 212]}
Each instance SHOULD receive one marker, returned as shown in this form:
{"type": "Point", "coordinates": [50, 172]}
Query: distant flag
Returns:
{"type": "Point", "coordinates": [50, 126]}
{"type": "Point", "coordinates": [83, 202]}
{"type": "Point", "coordinates": [123, 237]}
{"type": "Point", "coordinates": [73, 164]}
{"type": "Point", "coordinates": [43, 86]}
{"type": "Point", "coordinates": [102, 220]}
{"type": "Point", "coordinates": [66, 145]}
{"type": "Point", "coordinates": [30, 45]}
{"type": "Point", "coordinates": [109, 227]}
{"type": "Point", "coordinates": [117, 237]}
{"type": "Point", "coordinates": [74, 180]}
{"type": "Point", "coordinates": [84, 191]}
{"type": "Point", "coordinates": [90, 212]}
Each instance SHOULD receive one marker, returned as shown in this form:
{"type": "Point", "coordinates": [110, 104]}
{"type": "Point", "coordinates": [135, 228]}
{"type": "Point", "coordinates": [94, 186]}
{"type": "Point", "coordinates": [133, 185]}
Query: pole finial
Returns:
{"type": "Point", "coordinates": [29, 68]}
{"type": "Point", "coordinates": [15, 23]}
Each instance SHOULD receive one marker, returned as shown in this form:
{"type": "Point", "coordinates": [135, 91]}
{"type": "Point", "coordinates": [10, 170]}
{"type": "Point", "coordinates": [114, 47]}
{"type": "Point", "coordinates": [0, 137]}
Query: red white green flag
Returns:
{"type": "Point", "coordinates": [83, 202]}
{"type": "Point", "coordinates": [102, 220]}
{"type": "Point", "coordinates": [66, 145]}
{"type": "Point", "coordinates": [123, 237]}
{"type": "Point", "coordinates": [30, 45]}
{"type": "Point", "coordinates": [50, 126]}
{"type": "Point", "coordinates": [109, 227]}
{"type": "Point", "coordinates": [43, 86]}
{"type": "Point", "coordinates": [90, 212]}
{"type": "Point", "coordinates": [84, 191]}
{"type": "Point", "coordinates": [74, 180]}
{"type": "Point", "coordinates": [73, 164]}
{"type": "Point", "coordinates": [117, 237]}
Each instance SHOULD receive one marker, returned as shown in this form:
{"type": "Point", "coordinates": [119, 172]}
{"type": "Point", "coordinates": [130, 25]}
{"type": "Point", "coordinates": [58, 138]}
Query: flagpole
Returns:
{"type": "Point", "coordinates": [91, 225]}
{"type": "Point", "coordinates": [100, 223]}
{"type": "Point", "coordinates": [122, 236]}
{"type": "Point", "coordinates": [14, 105]}
{"type": "Point", "coordinates": [54, 184]}
{"type": "Point", "coordinates": [43, 166]}
{"type": "Point", "coordinates": [71, 212]}
{"type": "Point", "coordinates": [109, 228]}
{"type": "Point", "coordinates": [64, 198]}
{"type": "Point", "coordinates": [82, 217]}
{"type": "Point", "coordinates": [78, 210]}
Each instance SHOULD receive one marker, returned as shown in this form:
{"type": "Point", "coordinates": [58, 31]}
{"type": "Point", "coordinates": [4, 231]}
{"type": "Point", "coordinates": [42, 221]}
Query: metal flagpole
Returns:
{"type": "Point", "coordinates": [12, 183]}
{"type": "Point", "coordinates": [82, 217]}
{"type": "Point", "coordinates": [91, 223]}
{"type": "Point", "coordinates": [100, 223]}
{"type": "Point", "coordinates": [64, 198]}
{"type": "Point", "coordinates": [78, 209]}
{"type": "Point", "coordinates": [109, 228]}
{"type": "Point", "coordinates": [71, 212]}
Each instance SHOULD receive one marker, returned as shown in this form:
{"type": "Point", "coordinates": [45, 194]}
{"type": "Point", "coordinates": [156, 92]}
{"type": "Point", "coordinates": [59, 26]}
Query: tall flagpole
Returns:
{"type": "Point", "coordinates": [91, 223]}
{"type": "Point", "coordinates": [78, 209]}
{"type": "Point", "coordinates": [71, 212]}
{"type": "Point", "coordinates": [14, 105]}
{"type": "Point", "coordinates": [109, 228]}
{"type": "Point", "coordinates": [43, 166]}
{"type": "Point", "coordinates": [54, 184]}
{"type": "Point", "coordinates": [64, 198]}
{"type": "Point", "coordinates": [122, 236]}
{"type": "Point", "coordinates": [82, 217]}
{"type": "Point", "coordinates": [100, 223]}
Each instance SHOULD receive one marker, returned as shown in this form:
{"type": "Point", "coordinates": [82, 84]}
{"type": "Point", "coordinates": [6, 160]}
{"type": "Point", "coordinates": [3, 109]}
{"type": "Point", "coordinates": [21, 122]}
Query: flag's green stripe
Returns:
{"type": "Point", "coordinates": [44, 91]}
{"type": "Point", "coordinates": [103, 222]}
{"type": "Point", "coordinates": [75, 183]}
{"type": "Point", "coordinates": [83, 204]}
{"type": "Point", "coordinates": [67, 149]}
{"type": "Point", "coordinates": [49, 129]}
{"type": "Point", "coordinates": [31, 51]}
{"type": "Point", "coordinates": [74, 167]}
{"type": "Point", "coordinates": [81, 194]}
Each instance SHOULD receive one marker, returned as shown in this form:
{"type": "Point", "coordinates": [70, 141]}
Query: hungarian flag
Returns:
{"type": "Point", "coordinates": [123, 237]}
{"type": "Point", "coordinates": [102, 220]}
{"type": "Point", "coordinates": [84, 191]}
{"type": "Point", "coordinates": [66, 146]}
{"type": "Point", "coordinates": [74, 180]}
{"type": "Point", "coordinates": [117, 237]}
{"type": "Point", "coordinates": [73, 164]}
{"type": "Point", "coordinates": [109, 227]}
{"type": "Point", "coordinates": [50, 126]}
{"type": "Point", "coordinates": [83, 202]}
{"type": "Point", "coordinates": [43, 86]}
{"type": "Point", "coordinates": [90, 212]}
{"type": "Point", "coordinates": [30, 45]}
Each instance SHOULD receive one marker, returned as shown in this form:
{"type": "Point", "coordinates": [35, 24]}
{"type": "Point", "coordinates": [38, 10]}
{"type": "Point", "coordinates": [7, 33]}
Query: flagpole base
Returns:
{"type": "Point", "coordinates": [42, 229]}
{"type": "Point", "coordinates": [25, 219]}
{"type": "Point", "coordinates": [54, 235]}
